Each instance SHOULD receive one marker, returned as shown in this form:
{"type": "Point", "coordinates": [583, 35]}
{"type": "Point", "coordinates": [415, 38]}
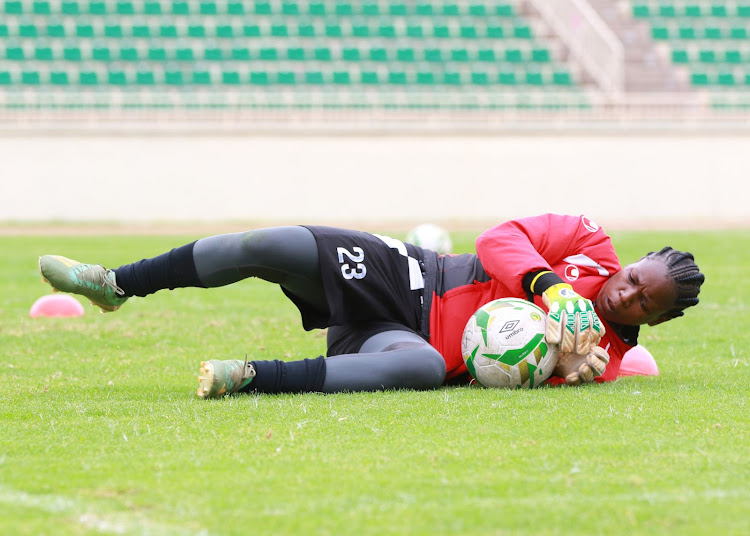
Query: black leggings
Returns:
{"type": "Point", "coordinates": [288, 256]}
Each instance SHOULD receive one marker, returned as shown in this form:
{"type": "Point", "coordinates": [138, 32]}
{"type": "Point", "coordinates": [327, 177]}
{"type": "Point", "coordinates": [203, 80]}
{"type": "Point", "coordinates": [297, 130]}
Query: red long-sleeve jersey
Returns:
{"type": "Point", "coordinates": [574, 247]}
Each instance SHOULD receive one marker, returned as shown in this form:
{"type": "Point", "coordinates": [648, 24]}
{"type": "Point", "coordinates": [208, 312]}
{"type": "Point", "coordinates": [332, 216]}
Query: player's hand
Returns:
{"type": "Point", "coordinates": [581, 368]}
{"type": "Point", "coordinates": [571, 321]}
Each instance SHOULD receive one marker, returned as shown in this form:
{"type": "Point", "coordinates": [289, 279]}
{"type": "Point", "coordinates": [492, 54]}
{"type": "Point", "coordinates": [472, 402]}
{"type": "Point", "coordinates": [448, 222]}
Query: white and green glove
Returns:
{"type": "Point", "coordinates": [571, 321]}
{"type": "Point", "coordinates": [577, 369]}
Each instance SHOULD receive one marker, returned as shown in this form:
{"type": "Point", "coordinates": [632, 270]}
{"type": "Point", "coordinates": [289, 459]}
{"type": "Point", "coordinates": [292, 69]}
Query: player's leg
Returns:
{"type": "Point", "coordinates": [394, 359]}
{"type": "Point", "coordinates": [284, 255]}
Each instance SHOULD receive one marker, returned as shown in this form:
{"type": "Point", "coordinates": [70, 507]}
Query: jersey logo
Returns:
{"type": "Point", "coordinates": [583, 260]}
{"type": "Point", "coordinates": [572, 272]}
{"type": "Point", "coordinates": [589, 224]}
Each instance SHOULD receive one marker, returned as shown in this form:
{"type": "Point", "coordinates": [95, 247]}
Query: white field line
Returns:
{"type": "Point", "coordinates": [87, 515]}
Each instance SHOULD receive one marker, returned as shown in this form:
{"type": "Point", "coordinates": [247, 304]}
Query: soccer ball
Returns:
{"type": "Point", "coordinates": [503, 345]}
{"type": "Point", "coordinates": [432, 237]}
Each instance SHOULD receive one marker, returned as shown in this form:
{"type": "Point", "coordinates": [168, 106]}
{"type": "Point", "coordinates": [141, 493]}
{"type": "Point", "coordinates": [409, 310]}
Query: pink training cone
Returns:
{"type": "Point", "coordinates": [638, 362]}
{"type": "Point", "coordinates": [56, 305]}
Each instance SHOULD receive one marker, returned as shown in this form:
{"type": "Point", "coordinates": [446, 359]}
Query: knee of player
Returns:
{"type": "Point", "coordinates": [426, 367]}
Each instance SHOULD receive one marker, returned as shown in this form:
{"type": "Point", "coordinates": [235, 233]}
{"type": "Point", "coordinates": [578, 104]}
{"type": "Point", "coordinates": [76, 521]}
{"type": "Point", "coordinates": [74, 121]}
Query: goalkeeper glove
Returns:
{"type": "Point", "coordinates": [571, 321]}
{"type": "Point", "coordinates": [578, 369]}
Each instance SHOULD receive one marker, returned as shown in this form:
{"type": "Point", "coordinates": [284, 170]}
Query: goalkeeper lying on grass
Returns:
{"type": "Point", "coordinates": [395, 312]}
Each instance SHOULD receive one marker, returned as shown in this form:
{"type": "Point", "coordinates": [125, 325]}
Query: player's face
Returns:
{"type": "Point", "coordinates": [640, 293]}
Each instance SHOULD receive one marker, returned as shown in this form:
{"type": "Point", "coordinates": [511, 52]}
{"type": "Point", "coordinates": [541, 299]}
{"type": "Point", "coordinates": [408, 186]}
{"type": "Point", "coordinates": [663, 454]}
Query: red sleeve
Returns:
{"type": "Point", "coordinates": [514, 248]}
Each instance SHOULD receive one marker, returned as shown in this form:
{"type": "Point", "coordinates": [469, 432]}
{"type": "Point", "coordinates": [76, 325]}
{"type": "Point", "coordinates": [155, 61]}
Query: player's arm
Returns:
{"type": "Point", "coordinates": [571, 322]}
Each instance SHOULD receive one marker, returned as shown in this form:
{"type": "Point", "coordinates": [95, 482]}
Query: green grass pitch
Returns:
{"type": "Point", "coordinates": [102, 433]}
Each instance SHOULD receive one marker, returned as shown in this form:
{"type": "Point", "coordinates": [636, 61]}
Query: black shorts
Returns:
{"type": "Point", "coordinates": [368, 281]}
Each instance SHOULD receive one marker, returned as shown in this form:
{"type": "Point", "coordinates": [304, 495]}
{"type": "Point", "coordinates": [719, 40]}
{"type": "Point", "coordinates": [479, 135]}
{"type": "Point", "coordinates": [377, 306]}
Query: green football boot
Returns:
{"type": "Point", "coordinates": [221, 378]}
{"type": "Point", "coordinates": [93, 281]}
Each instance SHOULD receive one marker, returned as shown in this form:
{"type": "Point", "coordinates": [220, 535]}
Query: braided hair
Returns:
{"type": "Point", "coordinates": [684, 272]}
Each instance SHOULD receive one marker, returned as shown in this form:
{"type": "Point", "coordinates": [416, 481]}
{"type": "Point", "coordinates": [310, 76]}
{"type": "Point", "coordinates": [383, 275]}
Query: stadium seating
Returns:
{"type": "Point", "coordinates": [709, 39]}
{"type": "Point", "coordinates": [266, 45]}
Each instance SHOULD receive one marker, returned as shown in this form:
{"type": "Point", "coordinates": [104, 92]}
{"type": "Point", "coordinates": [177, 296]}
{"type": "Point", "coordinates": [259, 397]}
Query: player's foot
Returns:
{"type": "Point", "coordinates": [220, 378]}
{"type": "Point", "coordinates": [93, 281]}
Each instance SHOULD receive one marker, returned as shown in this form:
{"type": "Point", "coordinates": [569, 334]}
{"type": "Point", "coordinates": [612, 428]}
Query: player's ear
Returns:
{"type": "Point", "coordinates": [660, 319]}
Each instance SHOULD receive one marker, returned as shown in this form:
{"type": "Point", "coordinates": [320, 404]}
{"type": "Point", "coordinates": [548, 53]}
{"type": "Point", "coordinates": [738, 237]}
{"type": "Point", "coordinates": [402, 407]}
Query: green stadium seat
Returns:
{"type": "Point", "coordinates": [41, 7]}
{"type": "Point", "coordinates": [117, 78]}
{"type": "Point", "coordinates": [152, 8]}
{"type": "Point", "coordinates": [378, 54]}
{"type": "Point", "coordinates": [235, 8]}
{"type": "Point", "coordinates": [562, 78]}
{"type": "Point", "coordinates": [124, 7]}
{"type": "Point", "coordinates": [513, 55]}
{"type": "Point", "coordinates": [733, 56]}
{"type": "Point", "coordinates": [173, 77]}
{"type": "Point", "coordinates": [4, 30]}
{"type": "Point", "coordinates": [129, 53]}
{"type": "Point", "coordinates": [84, 30]}
{"type": "Point", "coordinates": [230, 77]}
{"type": "Point", "coordinates": [13, 7]}
{"type": "Point", "coordinates": [213, 54]}
{"type": "Point", "coordinates": [157, 53]}
{"type": "Point", "coordinates": [342, 78]}
{"type": "Point", "coordinates": [101, 53]}
{"type": "Point", "coordinates": [88, 78]}
{"type": "Point", "coordinates": [97, 8]}
{"type": "Point", "coordinates": [350, 54]}
{"type": "Point", "coordinates": [680, 55]}
{"type": "Point", "coordinates": [14, 53]}
{"type": "Point", "coordinates": [405, 55]}
{"type": "Point", "coordinates": [141, 31]}
{"type": "Point", "coordinates": [534, 78]}
{"type": "Point", "coordinates": [168, 30]}
{"type": "Point", "coordinates": [507, 78]}
{"type": "Point", "coordinates": [251, 30]}
{"type": "Point", "coordinates": [707, 56]}
{"type": "Point", "coordinates": [196, 31]}
{"type": "Point", "coordinates": [240, 53]}
{"type": "Point", "coordinates": [184, 54]}
{"type": "Point", "coordinates": [201, 77]}
{"type": "Point", "coordinates": [322, 54]}
{"type": "Point", "coordinates": [460, 55]}
{"type": "Point", "coordinates": [479, 78]}
{"type": "Point", "coordinates": [259, 78]}
{"type": "Point", "coordinates": [72, 53]}
{"type": "Point", "coordinates": [452, 78]}
{"type": "Point", "coordinates": [27, 30]}
{"type": "Point", "coordinates": [180, 8]}
{"type": "Point", "coordinates": [5, 78]}
{"type": "Point", "coordinates": [43, 53]}
{"type": "Point", "coordinates": [486, 54]}
{"type": "Point", "coordinates": [314, 78]}
{"type": "Point", "coordinates": [59, 78]}
{"type": "Point", "coordinates": [369, 77]}
{"type": "Point", "coordinates": [224, 31]}
{"type": "Point", "coordinates": [263, 8]}
{"type": "Point", "coordinates": [306, 30]}
{"type": "Point", "coordinates": [433, 55]}
{"type": "Point", "coordinates": [425, 78]}
{"type": "Point", "coordinates": [30, 78]}
{"type": "Point", "coordinates": [540, 55]}
{"type": "Point", "coordinates": [145, 78]}
{"type": "Point", "coordinates": [56, 30]}
{"type": "Point", "coordinates": [208, 7]}
{"type": "Point", "coordinates": [268, 54]}
{"type": "Point", "coordinates": [395, 9]}
{"type": "Point", "coordinates": [699, 79]}
{"type": "Point", "coordinates": [295, 53]}
{"type": "Point", "coordinates": [70, 8]}
{"type": "Point", "coordinates": [397, 78]}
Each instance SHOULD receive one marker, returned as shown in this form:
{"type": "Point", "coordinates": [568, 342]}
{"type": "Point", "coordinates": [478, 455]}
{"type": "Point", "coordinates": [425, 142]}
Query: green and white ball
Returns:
{"type": "Point", "coordinates": [430, 236]}
{"type": "Point", "coordinates": [503, 345]}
